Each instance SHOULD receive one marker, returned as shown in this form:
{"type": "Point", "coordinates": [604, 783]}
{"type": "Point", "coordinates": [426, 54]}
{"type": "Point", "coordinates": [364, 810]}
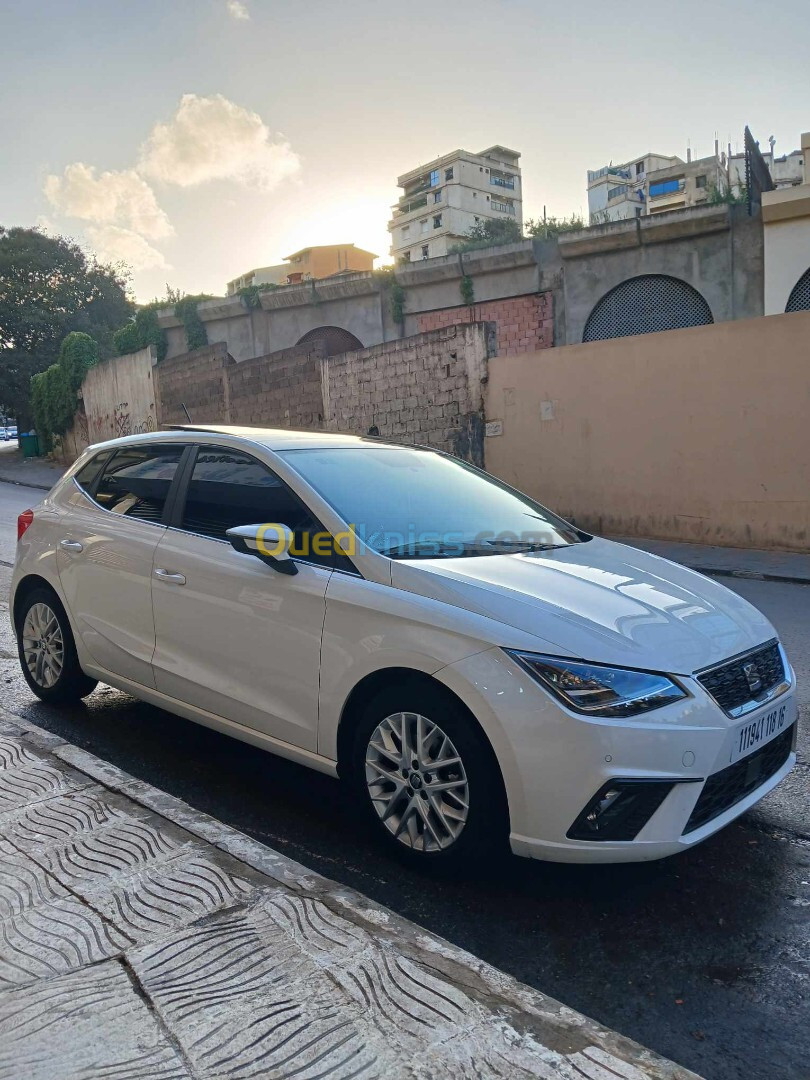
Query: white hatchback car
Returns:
{"type": "Point", "coordinates": [474, 667]}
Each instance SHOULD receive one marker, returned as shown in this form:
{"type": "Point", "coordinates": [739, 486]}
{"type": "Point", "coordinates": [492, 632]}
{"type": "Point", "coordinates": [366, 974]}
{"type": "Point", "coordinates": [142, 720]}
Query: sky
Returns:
{"type": "Point", "coordinates": [198, 139]}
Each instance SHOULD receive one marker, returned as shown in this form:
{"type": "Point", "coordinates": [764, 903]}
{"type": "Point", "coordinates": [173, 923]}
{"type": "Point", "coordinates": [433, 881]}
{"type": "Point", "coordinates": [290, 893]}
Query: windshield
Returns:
{"type": "Point", "coordinates": [411, 503]}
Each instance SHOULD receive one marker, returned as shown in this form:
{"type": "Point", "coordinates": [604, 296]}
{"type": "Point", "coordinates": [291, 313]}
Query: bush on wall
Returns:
{"type": "Point", "coordinates": [186, 311]}
{"type": "Point", "coordinates": [142, 331]}
{"type": "Point", "coordinates": [54, 391]}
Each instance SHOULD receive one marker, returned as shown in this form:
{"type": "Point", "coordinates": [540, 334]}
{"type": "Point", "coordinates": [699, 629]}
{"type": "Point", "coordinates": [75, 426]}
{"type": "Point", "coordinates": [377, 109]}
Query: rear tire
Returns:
{"type": "Point", "coordinates": [47, 651]}
{"type": "Point", "coordinates": [426, 780]}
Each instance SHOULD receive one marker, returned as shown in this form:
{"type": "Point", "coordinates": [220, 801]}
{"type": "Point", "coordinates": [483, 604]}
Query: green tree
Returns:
{"type": "Point", "coordinates": [48, 288]}
{"type": "Point", "coordinates": [489, 233]}
{"type": "Point", "coordinates": [553, 226]}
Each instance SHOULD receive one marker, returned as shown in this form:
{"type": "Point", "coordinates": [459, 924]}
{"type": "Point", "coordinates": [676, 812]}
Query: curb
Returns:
{"type": "Point", "coordinates": [596, 1051]}
{"type": "Point", "coordinates": [26, 483]}
{"type": "Point", "coordinates": [749, 575]}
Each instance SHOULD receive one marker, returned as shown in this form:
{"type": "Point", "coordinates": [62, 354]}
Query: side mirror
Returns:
{"type": "Point", "coordinates": [270, 543]}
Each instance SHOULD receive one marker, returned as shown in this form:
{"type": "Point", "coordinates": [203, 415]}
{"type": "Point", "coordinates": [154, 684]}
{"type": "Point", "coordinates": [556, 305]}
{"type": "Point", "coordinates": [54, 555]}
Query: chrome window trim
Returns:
{"type": "Point", "coordinates": [295, 558]}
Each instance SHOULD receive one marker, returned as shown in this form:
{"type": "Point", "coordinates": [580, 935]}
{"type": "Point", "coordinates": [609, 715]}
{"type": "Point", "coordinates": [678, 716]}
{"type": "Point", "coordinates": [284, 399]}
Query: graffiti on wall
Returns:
{"type": "Point", "coordinates": [124, 424]}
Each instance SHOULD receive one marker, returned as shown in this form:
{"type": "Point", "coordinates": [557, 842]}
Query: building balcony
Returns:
{"type": "Point", "coordinates": [409, 206]}
{"type": "Point", "coordinates": [502, 207]}
{"type": "Point", "coordinates": [503, 181]}
{"type": "Point", "coordinates": [666, 187]}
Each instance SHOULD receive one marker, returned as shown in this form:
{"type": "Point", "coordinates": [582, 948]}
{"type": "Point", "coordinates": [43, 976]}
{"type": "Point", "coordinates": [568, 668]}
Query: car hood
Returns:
{"type": "Point", "coordinates": [600, 601]}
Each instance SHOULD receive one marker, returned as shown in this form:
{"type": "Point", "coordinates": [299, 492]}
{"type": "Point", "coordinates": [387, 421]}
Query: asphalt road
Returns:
{"type": "Point", "coordinates": [704, 957]}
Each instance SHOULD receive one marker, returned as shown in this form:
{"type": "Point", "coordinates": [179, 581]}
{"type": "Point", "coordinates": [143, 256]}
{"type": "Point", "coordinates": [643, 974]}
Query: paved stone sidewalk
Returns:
{"type": "Point", "coordinates": [142, 939]}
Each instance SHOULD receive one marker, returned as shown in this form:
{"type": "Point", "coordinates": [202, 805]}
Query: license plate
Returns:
{"type": "Point", "coordinates": [755, 733]}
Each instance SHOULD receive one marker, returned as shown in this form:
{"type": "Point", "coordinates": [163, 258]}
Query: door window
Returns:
{"type": "Point", "coordinates": [137, 479]}
{"type": "Point", "coordinates": [229, 488]}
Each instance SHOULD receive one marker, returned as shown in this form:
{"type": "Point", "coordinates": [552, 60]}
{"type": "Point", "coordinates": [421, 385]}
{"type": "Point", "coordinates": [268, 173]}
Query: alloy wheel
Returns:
{"type": "Point", "coordinates": [43, 645]}
{"type": "Point", "coordinates": [417, 782]}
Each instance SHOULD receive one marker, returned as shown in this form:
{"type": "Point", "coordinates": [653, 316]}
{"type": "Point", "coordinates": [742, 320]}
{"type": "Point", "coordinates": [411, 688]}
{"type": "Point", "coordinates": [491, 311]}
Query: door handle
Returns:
{"type": "Point", "coordinates": [167, 575]}
{"type": "Point", "coordinates": [71, 545]}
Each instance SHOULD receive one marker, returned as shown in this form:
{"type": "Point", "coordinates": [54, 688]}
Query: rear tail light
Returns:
{"type": "Point", "coordinates": [25, 519]}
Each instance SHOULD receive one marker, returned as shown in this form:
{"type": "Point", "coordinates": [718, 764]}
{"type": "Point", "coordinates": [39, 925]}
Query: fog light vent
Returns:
{"type": "Point", "coordinates": [620, 809]}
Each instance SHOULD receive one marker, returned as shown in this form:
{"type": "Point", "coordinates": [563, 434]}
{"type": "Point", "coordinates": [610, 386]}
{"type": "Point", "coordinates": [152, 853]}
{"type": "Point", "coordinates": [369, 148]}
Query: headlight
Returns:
{"type": "Point", "coordinates": [598, 690]}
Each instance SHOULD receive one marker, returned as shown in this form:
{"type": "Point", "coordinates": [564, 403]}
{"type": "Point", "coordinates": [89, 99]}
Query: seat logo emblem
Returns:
{"type": "Point", "coordinates": [752, 677]}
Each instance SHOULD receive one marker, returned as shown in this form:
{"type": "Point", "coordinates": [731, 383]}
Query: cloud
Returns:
{"type": "Point", "coordinates": [238, 10]}
{"type": "Point", "coordinates": [123, 199]}
{"type": "Point", "coordinates": [211, 138]}
{"type": "Point", "coordinates": [111, 243]}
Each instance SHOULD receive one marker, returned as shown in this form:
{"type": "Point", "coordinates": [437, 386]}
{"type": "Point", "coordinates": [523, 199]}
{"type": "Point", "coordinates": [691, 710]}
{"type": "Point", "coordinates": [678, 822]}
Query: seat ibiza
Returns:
{"type": "Point", "coordinates": [475, 669]}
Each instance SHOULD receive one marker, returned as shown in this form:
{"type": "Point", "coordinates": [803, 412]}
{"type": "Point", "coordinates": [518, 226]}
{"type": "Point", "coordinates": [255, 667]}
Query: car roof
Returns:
{"type": "Point", "coordinates": [272, 438]}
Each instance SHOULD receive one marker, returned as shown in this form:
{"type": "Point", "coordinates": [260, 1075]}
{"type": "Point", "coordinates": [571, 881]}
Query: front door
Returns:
{"type": "Point", "coordinates": [105, 547]}
{"type": "Point", "coordinates": [233, 636]}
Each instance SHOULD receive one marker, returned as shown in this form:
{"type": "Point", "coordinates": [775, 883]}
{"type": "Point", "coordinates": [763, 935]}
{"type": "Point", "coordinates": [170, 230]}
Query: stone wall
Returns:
{"type": "Point", "coordinates": [281, 389]}
{"type": "Point", "coordinates": [423, 389]}
{"type": "Point", "coordinates": [198, 380]}
{"type": "Point", "coordinates": [524, 323]}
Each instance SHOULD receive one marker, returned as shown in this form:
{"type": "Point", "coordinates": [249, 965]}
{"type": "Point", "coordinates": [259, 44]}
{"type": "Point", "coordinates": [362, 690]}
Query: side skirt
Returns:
{"type": "Point", "coordinates": [217, 723]}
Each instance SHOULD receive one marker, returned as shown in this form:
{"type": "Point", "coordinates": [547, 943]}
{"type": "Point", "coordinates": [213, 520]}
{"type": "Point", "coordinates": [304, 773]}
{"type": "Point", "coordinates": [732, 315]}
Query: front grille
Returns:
{"type": "Point", "coordinates": [729, 786]}
{"type": "Point", "coordinates": [729, 686]}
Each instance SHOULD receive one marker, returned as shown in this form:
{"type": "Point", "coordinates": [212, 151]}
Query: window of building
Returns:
{"type": "Point", "coordinates": [700, 181]}
{"type": "Point", "coordinates": [423, 225]}
{"type": "Point", "coordinates": [437, 221]}
{"type": "Point", "coordinates": [614, 192]}
{"type": "Point", "coordinates": [437, 196]}
{"type": "Point", "coordinates": [137, 479]}
{"type": "Point", "coordinates": [639, 168]}
{"type": "Point", "coordinates": [434, 177]}
{"type": "Point", "coordinates": [448, 173]}
{"type": "Point", "coordinates": [406, 231]}
{"type": "Point", "coordinates": [229, 488]}
{"type": "Point", "coordinates": [425, 251]}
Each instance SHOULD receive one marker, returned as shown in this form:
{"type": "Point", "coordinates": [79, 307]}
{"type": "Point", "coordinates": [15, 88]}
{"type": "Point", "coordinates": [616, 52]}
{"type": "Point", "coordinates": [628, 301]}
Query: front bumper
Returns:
{"type": "Point", "coordinates": [553, 761]}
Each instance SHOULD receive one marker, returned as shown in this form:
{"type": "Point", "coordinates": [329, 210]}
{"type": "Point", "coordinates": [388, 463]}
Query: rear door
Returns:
{"type": "Point", "coordinates": [106, 542]}
{"type": "Point", "coordinates": [234, 636]}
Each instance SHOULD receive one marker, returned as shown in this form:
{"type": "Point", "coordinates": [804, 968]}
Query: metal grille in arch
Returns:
{"type": "Point", "coordinates": [799, 299]}
{"type": "Point", "coordinates": [646, 305]}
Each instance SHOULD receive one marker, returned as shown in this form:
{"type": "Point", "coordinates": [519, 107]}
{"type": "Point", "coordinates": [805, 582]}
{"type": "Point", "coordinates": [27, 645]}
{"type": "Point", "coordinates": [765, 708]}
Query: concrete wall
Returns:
{"type": "Point", "coordinates": [119, 397]}
{"type": "Point", "coordinates": [425, 389]}
{"type": "Point", "coordinates": [786, 214]}
{"type": "Point", "coordinates": [698, 435]}
{"type": "Point", "coordinates": [715, 249]}
{"type": "Point", "coordinates": [718, 250]}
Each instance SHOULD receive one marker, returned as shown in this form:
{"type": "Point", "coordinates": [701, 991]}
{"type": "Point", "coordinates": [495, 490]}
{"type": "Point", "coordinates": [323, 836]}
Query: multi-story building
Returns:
{"type": "Point", "coordinates": [687, 183]}
{"type": "Point", "coordinates": [616, 192]}
{"type": "Point", "coordinates": [786, 171]}
{"type": "Point", "coordinates": [655, 183]}
{"type": "Point", "coordinates": [310, 263]}
{"type": "Point", "coordinates": [444, 199]}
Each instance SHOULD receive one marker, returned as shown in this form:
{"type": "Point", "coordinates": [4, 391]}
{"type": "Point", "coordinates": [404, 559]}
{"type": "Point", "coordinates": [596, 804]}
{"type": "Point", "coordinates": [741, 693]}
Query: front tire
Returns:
{"type": "Point", "coordinates": [47, 651]}
{"type": "Point", "coordinates": [426, 779]}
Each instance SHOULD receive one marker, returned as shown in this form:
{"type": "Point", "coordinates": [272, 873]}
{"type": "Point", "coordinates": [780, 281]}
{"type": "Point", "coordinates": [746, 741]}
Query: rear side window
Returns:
{"type": "Point", "coordinates": [88, 474]}
{"type": "Point", "coordinates": [137, 479]}
{"type": "Point", "coordinates": [229, 488]}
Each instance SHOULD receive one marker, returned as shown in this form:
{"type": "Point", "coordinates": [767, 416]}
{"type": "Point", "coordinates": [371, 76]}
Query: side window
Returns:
{"type": "Point", "coordinates": [230, 488]}
{"type": "Point", "coordinates": [88, 473]}
{"type": "Point", "coordinates": [137, 479]}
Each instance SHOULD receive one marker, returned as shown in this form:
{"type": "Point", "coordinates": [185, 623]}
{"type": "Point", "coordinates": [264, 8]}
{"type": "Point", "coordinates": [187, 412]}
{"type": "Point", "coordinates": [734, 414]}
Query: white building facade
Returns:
{"type": "Point", "coordinates": [617, 192]}
{"type": "Point", "coordinates": [445, 198]}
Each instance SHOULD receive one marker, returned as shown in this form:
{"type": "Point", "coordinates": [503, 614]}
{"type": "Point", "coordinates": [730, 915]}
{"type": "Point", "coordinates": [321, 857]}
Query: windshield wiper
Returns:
{"type": "Point", "coordinates": [431, 549]}
{"type": "Point", "coordinates": [524, 545]}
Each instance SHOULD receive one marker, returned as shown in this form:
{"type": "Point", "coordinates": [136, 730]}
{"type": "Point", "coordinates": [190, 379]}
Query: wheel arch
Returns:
{"type": "Point", "coordinates": [23, 589]}
{"type": "Point", "coordinates": [365, 690]}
